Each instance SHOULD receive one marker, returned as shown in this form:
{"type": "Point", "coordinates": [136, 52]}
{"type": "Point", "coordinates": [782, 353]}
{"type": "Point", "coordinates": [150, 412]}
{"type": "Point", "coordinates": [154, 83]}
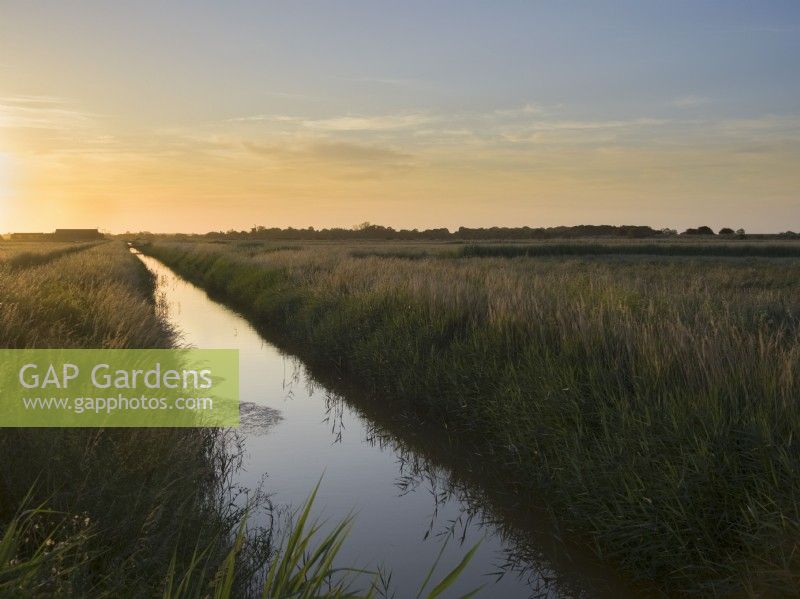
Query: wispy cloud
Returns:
{"type": "Point", "coordinates": [356, 159]}
{"type": "Point", "coordinates": [345, 123]}
{"type": "Point", "coordinates": [578, 125]}
{"type": "Point", "coordinates": [759, 128]}
{"type": "Point", "coordinates": [581, 132]}
{"type": "Point", "coordinates": [368, 123]}
{"type": "Point", "coordinates": [41, 112]}
{"type": "Point", "coordinates": [526, 109]}
{"type": "Point", "coordinates": [291, 95]}
{"type": "Point", "coordinates": [261, 118]}
{"type": "Point", "coordinates": [690, 101]}
{"type": "Point", "coordinates": [389, 81]}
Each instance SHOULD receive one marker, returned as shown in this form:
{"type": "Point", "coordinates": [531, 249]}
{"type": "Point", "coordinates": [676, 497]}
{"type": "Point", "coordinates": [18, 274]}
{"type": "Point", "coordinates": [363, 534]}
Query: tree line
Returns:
{"type": "Point", "coordinates": [378, 232]}
{"type": "Point", "coordinates": [369, 231]}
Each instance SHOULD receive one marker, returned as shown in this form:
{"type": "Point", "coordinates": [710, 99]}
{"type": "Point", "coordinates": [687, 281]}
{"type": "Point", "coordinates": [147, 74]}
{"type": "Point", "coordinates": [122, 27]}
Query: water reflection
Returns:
{"type": "Point", "coordinates": [256, 419]}
{"type": "Point", "coordinates": [408, 496]}
{"type": "Point", "coordinates": [458, 510]}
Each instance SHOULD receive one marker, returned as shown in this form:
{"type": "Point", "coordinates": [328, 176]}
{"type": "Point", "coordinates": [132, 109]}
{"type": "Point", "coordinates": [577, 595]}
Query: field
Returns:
{"type": "Point", "coordinates": [651, 395]}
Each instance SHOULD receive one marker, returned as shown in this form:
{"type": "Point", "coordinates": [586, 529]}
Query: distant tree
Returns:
{"type": "Point", "coordinates": [740, 233]}
{"type": "Point", "coordinates": [699, 231]}
{"type": "Point", "coordinates": [668, 231]}
{"type": "Point", "coordinates": [725, 231]}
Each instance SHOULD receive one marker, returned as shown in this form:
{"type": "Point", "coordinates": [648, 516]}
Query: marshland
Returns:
{"type": "Point", "coordinates": [581, 421]}
{"type": "Point", "coordinates": [650, 398]}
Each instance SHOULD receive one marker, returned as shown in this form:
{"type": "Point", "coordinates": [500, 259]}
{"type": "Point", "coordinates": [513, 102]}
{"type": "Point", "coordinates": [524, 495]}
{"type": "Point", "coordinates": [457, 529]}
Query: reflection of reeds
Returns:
{"type": "Point", "coordinates": [654, 399]}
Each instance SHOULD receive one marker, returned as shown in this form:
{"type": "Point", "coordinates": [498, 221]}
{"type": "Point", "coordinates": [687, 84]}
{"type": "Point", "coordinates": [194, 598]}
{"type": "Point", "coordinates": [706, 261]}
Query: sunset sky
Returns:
{"type": "Point", "coordinates": [192, 116]}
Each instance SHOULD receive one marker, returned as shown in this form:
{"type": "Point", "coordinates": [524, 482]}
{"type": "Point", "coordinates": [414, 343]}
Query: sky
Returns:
{"type": "Point", "coordinates": [198, 116]}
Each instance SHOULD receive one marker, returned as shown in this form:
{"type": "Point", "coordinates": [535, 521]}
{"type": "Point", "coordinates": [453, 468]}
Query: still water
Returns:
{"type": "Point", "coordinates": [406, 505]}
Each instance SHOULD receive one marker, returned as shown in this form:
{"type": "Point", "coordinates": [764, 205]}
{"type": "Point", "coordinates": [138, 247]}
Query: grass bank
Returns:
{"type": "Point", "coordinates": [653, 401]}
{"type": "Point", "coordinates": [91, 511]}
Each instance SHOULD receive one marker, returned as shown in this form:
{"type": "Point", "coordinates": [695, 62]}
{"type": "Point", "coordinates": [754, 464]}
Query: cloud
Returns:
{"type": "Point", "coordinates": [578, 125]}
{"type": "Point", "coordinates": [259, 118]}
{"type": "Point", "coordinates": [368, 123]}
{"type": "Point", "coordinates": [690, 101]}
{"type": "Point", "coordinates": [390, 81]}
{"type": "Point", "coordinates": [389, 122]}
{"type": "Point", "coordinates": [583, 132]}
{"type": "Point", "coordinates": [291, 96]}
{"type": "Point", "coordinates": [348, 158]}
{"type": "Point", "coordinates": [780, 124]}
{"type": "Point", "coordinates": [41, 112]}
{"type": "Point", "coordinates": [357, 153]}
{"type": "Point", "coordinates": [526, 109]}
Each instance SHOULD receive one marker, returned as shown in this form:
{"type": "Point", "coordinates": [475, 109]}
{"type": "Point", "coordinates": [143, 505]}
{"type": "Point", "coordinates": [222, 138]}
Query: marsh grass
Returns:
{"type": "Point", "coordinates": [738, 249]}
{"type": "Point", "coordinates": [36, 558]}
{"type": "Point", "coordinates": [403, 254]}
{"type": "Point", "coordinates": [141, 492]}
{"type": "Point", "coordinates": [652, 399]}
{"type": "Point", "coordinates": [26, 254]}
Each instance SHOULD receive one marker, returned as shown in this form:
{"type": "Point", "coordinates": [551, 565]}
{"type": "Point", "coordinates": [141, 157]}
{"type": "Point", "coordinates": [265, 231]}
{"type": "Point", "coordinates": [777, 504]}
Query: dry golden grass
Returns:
{"type": "Point", "coordinates": [9, 249]}
{"type": "Point", "coordinates": [23, 254]}
{"type": "Point", "coordinates": [99, 297]}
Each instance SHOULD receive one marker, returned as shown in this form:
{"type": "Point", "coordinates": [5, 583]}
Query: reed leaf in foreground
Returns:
{"type": "Point", "coordinates": [40, 550]}
{"type": "Point", "coordinates": [301, 568]}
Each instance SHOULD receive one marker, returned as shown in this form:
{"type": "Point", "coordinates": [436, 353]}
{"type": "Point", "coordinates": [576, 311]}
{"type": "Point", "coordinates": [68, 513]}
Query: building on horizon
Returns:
{"type": "Point", "coordinates": [30, 236]}
{"type": "Point", "coordinates": [77, 235]}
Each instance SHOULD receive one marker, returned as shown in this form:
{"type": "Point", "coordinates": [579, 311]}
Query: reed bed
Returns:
{"type": "Point", "coordinates": [652, 398]}
{"type": "Point", "coordinates": [735, 249]}
{"type": "Point", "coordinates": [22, 254]}
{"type": "Point", "coordinates": [92, 511]}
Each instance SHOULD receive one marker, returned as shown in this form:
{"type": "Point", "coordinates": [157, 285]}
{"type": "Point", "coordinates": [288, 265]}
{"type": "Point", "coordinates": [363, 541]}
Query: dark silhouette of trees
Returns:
{"type": "Point", "coordinates": [726, 231]}
{"type": "Point", "coordinates": [369, 231]}
{"type": "Point", "coordinates": [704, 230]}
